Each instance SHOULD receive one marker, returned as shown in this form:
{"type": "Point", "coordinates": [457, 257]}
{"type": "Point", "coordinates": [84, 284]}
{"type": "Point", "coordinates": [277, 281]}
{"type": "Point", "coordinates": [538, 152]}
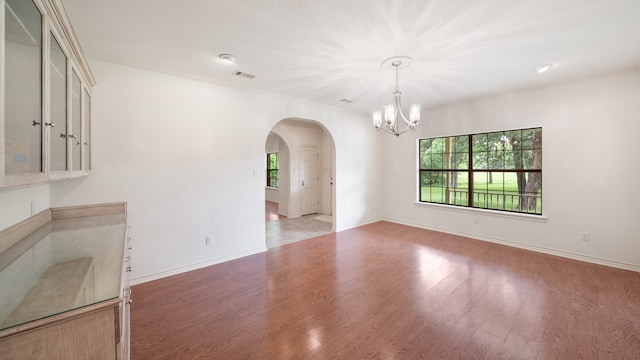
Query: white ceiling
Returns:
{"type": "Point", "coordinates": [327, 50]}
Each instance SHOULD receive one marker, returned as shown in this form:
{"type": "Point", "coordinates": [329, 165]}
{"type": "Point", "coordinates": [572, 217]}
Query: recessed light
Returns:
{"type": "Point", "coordinates": [544, 68]}
{"type": "Point", "coordinates": [228, 58]}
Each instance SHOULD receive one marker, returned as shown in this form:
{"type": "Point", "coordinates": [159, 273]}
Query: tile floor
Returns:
{"type": "Point", "coordinates": [286, 230]}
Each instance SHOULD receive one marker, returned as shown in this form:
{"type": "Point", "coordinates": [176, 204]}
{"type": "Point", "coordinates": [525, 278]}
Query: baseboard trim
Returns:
{"type": "Point", "coordinates": [359, 224]}
{"type": "Point", "coordinates": [540, 249]}
{"type": "Point", "coordinates": [196, 266]}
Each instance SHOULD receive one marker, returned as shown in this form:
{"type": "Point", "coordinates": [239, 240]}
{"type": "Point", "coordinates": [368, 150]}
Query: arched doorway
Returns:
{"type": "Point", "coordinates": [304, 195]}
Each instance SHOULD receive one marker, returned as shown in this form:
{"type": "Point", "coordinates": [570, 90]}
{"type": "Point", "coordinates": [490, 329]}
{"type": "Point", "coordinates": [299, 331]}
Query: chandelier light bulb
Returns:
{"type": "Point", "coordinates": [414, 113]}
{"type": "Point", "coordinates": [377, 119]}
{"type": "Point", "coordinates": [390, 114]}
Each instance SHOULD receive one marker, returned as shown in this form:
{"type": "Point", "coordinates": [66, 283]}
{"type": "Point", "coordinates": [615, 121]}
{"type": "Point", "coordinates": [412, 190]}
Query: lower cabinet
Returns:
{"type": "Point", "coordinates": [64, 285]}
{"type": "Point", "coordinates": [93, 335]}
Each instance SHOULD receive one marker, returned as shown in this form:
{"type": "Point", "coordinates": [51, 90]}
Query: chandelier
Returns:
{"type": "Point", "coordinates": [391, 111]}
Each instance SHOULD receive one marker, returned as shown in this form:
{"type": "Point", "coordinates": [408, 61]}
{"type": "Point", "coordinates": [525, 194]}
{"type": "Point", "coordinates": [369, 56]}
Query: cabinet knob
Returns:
{"type": "Point", "coordinates": [130, 302]}
{"type": "Point", "coordinates": [35, 123]}
{"type": "Point", "coordinates": [72, 136]}
{"type": "Point", "coordinates": [50, 124]}
{"type": "Point", "coordinates": [63, 135]}
{"type": "Point", "coordinates": [86, 143]}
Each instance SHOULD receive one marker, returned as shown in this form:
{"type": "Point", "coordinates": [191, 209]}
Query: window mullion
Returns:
{"type": "Point", "coordinates": [470, 172]}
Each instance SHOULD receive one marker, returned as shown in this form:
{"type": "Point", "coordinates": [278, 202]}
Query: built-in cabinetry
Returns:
{"type": "Point", "coordinates": [64, 286]}
{"type": "Point", "coordinates": [45, 94]}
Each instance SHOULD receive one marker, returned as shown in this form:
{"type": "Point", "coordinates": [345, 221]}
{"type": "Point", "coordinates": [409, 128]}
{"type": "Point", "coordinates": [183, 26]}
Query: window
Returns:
{"type": "Point", "coordinates": [498, 170]}
{"type": "Point", "coordinates": [272, 170]}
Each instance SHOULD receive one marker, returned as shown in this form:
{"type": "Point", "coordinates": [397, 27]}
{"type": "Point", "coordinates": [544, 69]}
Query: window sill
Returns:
{"type": "Point", "coordinates": [271, 187]}
{"type": "Point", "coordinates": [495, 213]}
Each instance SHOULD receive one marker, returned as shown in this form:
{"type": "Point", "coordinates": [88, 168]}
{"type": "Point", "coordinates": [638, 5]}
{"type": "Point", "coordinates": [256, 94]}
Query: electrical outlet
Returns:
{"type": "Point", "coordinates": [33, 207]}
{"type": "Point", "coordinates": [586, 236]}
{"type": "Point", "coordinates": [476, 220]}
{"type": "Point", "coordinates": [207, 240]}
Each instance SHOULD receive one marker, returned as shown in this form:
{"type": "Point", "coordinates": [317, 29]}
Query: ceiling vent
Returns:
{"type": "Point", "coordinates": [243, 74]}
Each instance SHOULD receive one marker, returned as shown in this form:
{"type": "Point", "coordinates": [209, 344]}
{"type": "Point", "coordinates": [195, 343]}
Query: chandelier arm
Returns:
{"type": "Point", "coordinates": [398, 104]}
{"type": "Point", "coordinates": [389, 130]}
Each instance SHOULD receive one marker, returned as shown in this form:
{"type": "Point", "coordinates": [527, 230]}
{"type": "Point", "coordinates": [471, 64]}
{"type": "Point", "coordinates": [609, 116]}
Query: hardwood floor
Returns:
{"type": "Point", "coordinates": [388, 291]}
{"type": "Point", "coordinates": [271, 211]}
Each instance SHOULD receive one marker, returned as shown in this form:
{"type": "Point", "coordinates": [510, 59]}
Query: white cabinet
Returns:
{"type": "Point", "coordinates": [45, 94]}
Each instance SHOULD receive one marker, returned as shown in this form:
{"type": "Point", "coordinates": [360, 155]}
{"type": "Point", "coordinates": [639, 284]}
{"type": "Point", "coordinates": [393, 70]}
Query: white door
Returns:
{"type": "Point", "coordinates": [309, 179]}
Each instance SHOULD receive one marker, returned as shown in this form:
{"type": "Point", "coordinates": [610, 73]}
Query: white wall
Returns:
{"type": "Point", "coordinates": [590, 169]}
{"type": "Point", "coordinates": [172, 148]}
{"type": "Point", "coordinates": [15, 204]}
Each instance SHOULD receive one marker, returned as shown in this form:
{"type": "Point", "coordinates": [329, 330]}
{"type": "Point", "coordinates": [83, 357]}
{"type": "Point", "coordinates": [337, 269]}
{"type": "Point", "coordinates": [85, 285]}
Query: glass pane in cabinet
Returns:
{"type": "Point", "coordinates": [58, 106]}
{"type": "Point", "coordinates": [86, 134]}
{"type": "Point", "coordinates": [22, 128]}
{"type": "Point", "coordinates": [76, 115]}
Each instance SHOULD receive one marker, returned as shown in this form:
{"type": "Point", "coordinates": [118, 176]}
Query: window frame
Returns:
{"type": "Point", "coordinates": [436, 169]}
{"type": "Point", "coordinates": [271, 170]}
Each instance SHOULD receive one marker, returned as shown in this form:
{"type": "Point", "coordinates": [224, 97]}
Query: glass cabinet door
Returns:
{"type": "Point", "coordinates": [57, 107]}
{"type": "Point", "coordinates": [22, 121]}
{"type": "Point", "coordinates": [86, 132]}
{"type": "Point", "coordinates": [76, 116]}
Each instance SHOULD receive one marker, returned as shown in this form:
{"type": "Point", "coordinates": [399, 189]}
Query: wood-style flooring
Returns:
{"type": "Point", "coordinates": [388, 291]}
{"type": "Point", "coordinates": [271, 211]}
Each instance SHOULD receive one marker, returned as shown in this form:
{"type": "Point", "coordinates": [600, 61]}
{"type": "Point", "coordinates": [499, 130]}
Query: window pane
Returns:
{"type": "Point", "coordinates": [479, 142]}
{"type": "Point", "coordinates": [22, 130]}
{"type": "Point", "coordinates": [58, 106]}
{"type": "Point", "coordinates": [87, 131]}
{"type": "Point", "coordinates": [425, 160]}
{"type": "Point", "coordinates": [500, 166]}
{"type": "Point", "coordinates": [272, 169]}
{"type": "Point", "coordinates": [76, 116]}
{"type": "Point", "coordinates": [537, 140]}
{"type": "Point", "coordinates": [438, 145]}
{"type": "Point", "coordinates": [480, 160]}
{"type": "Point", "coordinates": [532, 197]}
{"type": "Point", "coordinates": [461, 144]}
{"type": "Point", "coordinates": [436, 161]}
{"type": "Point", "coordinates": [527, 139]}
{"type": "Point", "coordinates": [516, 160]}
{"type": "Point", "coordinates": [458, 188]}
{"type": "Point", "coordinates": [495, 158]}
{"type": "Point", "coordinates": [480, 189]}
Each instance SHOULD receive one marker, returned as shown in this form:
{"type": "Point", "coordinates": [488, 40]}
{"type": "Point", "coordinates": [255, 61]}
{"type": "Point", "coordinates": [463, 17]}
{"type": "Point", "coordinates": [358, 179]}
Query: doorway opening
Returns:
{"type": "Point", "coordinates": [299, 186]}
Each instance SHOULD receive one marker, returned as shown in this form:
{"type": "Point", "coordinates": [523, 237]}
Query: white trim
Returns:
{"type": "Point", "coordinates": [358, 224]}
{"type": "Point", "coordinates": [196, 266]}
{"type": "Point", "coordinates": [539, 249]}
{"type": "Point", "coordinates": [488, 212]}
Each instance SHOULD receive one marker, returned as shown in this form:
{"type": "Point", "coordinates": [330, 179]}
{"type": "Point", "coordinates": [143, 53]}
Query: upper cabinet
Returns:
{"type": "Point", "coordinates": [45, 94]}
